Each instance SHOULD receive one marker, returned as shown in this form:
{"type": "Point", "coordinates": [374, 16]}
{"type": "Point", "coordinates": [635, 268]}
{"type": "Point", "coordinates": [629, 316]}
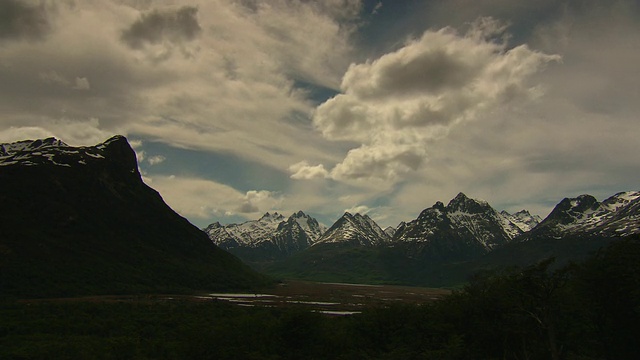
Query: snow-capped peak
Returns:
{"type": "Point", "coordinates": [620, 199]}
{"type": "Point", "coordinates": [271, 218]}
{"type": "Point", "coordinates": [522, 219]}
{"type": "Point", "coordinates": [30, 145]}
{"type": "Point", "coordinates": [355, 229]}
{"type": "Point", "coordinates": [309, 225]}
{"type": "Point", "coordinates": [51, 151]}
{"type": "Point", "coordinates": [462, 203]}
{"type": "Point", "coordinates": [616, 216]}
{"type": "Point", "coordinates": [272, 234]}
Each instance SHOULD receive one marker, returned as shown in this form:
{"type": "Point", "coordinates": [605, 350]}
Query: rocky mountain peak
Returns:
{"type": "Point", "coordinates": [585, 216]}
{"type": "Point", "coordinates": [355, 229]}
{"type": "Point", "coordinates": [570, 209]}
{"type": "Point", "coordinates": [29, 145]}
{"type": "Point", "coordinates": [271, 237]}
{"type": "Point", "coordinates": [621, 199]}
{"type": "Point", "coordinates": [269, 217]}
{"type": "Point", "coordinates": [114, 155]}
{"type": "Point", "coordinates": [465, 226]}
{"type": "Point", "coordinates": [462, 203]}
{"type": "Point", "coordinates": [522, 219]}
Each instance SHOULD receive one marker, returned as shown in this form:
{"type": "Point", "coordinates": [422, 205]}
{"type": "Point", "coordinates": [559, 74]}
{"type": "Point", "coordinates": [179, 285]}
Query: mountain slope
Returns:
{"type": "Point", "coordinates": [522, 219]}
{"type": "Point", "coordinates": [446, 244]}
{"type": "Point", "coordinates": [356, 229]}
{"type": "Point", "coordinates": [584, 216]}
{"type": "Point", "coordinates": [79, 220]}
{"type": "Point", "coordinates": [270, 238]}
{"type": "Point", "coordinates": [464, 228]}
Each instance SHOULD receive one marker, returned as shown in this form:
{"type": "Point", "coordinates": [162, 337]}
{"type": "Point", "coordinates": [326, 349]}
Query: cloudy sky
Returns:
{"type": "Point", "coordinates": [238, 107]}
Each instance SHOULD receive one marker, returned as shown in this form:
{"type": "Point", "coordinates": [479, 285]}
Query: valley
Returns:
{"type": "Point", "coordinates": [324, 298]}
{"type": "Point", "coordinates": [101, 267]}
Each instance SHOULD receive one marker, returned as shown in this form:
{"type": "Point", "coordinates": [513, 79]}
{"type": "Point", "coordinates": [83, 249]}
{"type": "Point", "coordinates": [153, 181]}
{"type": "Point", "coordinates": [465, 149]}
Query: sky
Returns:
{"type": "Point", "coordinates": [240, 107]}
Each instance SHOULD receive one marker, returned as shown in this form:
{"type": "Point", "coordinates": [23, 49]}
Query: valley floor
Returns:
{"type": "Point", "coordinates": [327, 298]}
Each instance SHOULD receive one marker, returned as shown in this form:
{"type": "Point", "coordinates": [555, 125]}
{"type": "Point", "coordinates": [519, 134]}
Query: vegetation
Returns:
{"type": "Point", "coordinates": [401, 264]}
{"type": "Point", "coordinates": [585, 311]}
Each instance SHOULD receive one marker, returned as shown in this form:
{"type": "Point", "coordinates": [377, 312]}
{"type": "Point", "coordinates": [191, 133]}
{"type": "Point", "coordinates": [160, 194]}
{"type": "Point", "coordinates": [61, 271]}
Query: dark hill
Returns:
{"type": "Point", "coordinates": [80, 221]}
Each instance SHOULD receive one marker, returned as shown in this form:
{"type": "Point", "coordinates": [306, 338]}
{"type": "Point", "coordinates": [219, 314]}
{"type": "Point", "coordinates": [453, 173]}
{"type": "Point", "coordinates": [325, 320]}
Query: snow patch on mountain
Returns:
{"type": "Point", "coordinates": [51, 151]}
{"type": "Point", "coordinates": [522, 219]}
{"type": "Point", "coordinates": [272, 231]}
{"type": "Point", "coordinates": [618, 215]}
{"type": "Point", "coordinates": [465, 221]}
{"type": "Point", "coordinates": [355, 229]}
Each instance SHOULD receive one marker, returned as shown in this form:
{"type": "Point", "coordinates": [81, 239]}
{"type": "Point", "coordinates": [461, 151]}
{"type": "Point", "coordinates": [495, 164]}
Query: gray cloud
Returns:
{"type": "Point", "coordinates": [175, 26]}
{"type": "Point", "coordinates": [428, 72]}
{"type": "Point", "coordinates": [397, 105]}
{"type": "Point", "coordinates": [19, 20]}
{"type": "Point", "coordinates": [258, 201]}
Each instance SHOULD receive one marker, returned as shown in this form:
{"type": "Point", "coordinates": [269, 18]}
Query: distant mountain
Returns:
{"type": "Point", "coordinates": [522, 219]}
{"type": "Point", "coordinates": [464, 228]}
{"type": "Point", "coordinates": [80, 221]}
{"type": "Point", "coordinates": [584, 216]}
{"type": "Point", "coordinates": [270, 238]}
{"type": "Point", "coordinates": [355, 230]}
{"type": "Point", "coordinates": [445, 244]}
{"type": "Point", "coordinates": [390, 231]}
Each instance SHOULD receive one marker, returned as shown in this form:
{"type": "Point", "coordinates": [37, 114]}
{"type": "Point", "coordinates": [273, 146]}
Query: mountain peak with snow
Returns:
{"type": "Point", "coordinates": [115, 151]}
{"type": "Point", "coordinates": [618, 215]}
{"type": "Point", "coordinates": [355, 229]}
{"type": "Point", "coordinates": [465, 225]}
{"type": "Point", "coordinates": [462, 203]}
{"type": "Point", "coordinates": [271, 218]}
{"type": "Point", "coordinates": [522, 219]}
{"type": "Point", "coordinates": [272, 236]}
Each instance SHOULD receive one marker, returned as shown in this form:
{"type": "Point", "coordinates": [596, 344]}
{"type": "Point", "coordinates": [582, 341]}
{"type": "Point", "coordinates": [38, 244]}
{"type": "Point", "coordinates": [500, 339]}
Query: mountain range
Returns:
{"type": "Point", "coordinates": [80, 220]}
{"type": "Point", "coordinates": [460, 237]}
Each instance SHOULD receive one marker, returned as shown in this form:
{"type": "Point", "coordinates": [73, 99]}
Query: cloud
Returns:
{"type": "Point", "coordinates": [22, 20]}
{"type": "Point", "coordinates": [237, 82]}
{"type": "Point", "coordinates": [201, 199]}
{"type": "Point", "coordinates": [81, 83]}
{"type": "Point", "coordinates": [54, 78]}
{"type": "Point", "coordinates": [359, 209]}
{"type": "Point", "coordinates": [578, 138]}
{"type": "Point", "coordinates": [258, 202]}
{"type": "Point", "coordinates": [303, 170]}
{"type": "Point", "coordinates": [155, 160]}
{"type": "Point", "coordinates": [156, 26]}
{"type": "Point", "coordinates": [71, 132]}
{"type": "Point", "coordinates": [396, 105]}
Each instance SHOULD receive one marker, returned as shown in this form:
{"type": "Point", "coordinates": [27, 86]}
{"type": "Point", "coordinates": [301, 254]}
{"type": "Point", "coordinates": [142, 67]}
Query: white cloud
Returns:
{"type": "Point", "coordinates": [81, 83]}
{"type": "Point", "coordinates": [196, 198]}
{"type": "Point", "coordinates": [155, 160]}
{"type": "Point", "coordinates": [396, 105]}
{"type": "Point", "coordinates": [199, 198]}
{"type": "Point", "coordinates": [303, 170]}
{"type": "Point", "coordinates": [358, 209]}
{"type": "Point", "coordinates": [258, 202]}
{"type": "Point", "coordinates": [446, 111]}
{"type": "Point", "coordinates": [75, 133]}
{"type": "Point", "coordinates": [223, 74]}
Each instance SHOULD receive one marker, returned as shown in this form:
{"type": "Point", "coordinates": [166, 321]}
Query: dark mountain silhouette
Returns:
{"type": "Point", "coordinates": [80, 220]}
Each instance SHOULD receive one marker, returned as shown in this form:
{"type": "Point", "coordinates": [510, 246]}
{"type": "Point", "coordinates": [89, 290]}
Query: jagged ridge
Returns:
{"type": "Point", "coordinates": [617, 216]}
{"type": "Point", "coordinates": [355, 229]}
{"type": "Point", "coordinates": [80, 220]}
{"type": "Point", "coordinates": [269, 238]}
